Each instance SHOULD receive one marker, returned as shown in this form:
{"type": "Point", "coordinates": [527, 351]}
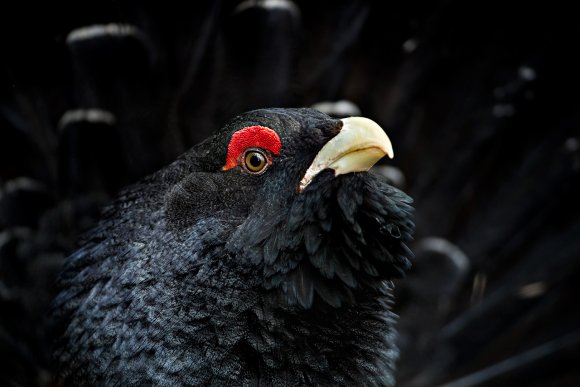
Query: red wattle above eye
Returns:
{"type": "Point", "coordinates": [251, 137]}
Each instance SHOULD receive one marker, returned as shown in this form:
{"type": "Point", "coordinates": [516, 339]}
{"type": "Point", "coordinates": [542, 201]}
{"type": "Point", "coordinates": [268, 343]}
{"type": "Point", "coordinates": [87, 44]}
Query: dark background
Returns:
{"type": "Point", "coordinates": [480, 100]}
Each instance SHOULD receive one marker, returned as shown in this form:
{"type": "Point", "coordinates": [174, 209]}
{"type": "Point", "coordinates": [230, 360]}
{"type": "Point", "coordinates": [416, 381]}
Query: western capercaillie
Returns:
{"type": "Point", "coordinates": [262, 256]}
{"type": "Point", "coordinates": [476, 98]}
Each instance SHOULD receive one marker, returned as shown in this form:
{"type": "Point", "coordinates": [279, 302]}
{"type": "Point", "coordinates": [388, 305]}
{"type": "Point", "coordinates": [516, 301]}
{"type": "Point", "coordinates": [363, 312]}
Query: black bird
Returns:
{"type": "Point", "coordinates": [263, 256]}
{"type": "Point", "coordinates": [479, 99]}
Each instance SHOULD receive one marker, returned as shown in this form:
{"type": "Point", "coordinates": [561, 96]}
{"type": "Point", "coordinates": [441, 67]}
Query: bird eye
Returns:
{"type": "Point", "coordinates": [255, 161]}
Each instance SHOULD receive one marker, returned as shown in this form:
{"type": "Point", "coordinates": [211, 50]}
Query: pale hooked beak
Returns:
{"type": "Point", "coordinates": [356, 148]}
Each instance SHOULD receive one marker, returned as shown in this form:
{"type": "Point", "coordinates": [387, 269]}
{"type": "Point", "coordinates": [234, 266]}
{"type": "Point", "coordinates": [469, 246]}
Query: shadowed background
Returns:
{"type": "Point", "coordinates": [480, 101]}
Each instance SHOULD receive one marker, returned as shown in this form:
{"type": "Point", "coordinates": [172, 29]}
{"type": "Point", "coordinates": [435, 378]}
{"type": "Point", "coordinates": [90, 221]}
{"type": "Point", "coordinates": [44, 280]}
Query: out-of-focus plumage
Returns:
{"type": "Point", "coordinates": [480, 101]}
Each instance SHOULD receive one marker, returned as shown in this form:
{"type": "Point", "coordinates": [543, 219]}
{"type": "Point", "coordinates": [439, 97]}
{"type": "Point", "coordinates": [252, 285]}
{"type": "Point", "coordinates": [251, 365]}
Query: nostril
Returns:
{"type": "Point", "coordinates": [331, 128]}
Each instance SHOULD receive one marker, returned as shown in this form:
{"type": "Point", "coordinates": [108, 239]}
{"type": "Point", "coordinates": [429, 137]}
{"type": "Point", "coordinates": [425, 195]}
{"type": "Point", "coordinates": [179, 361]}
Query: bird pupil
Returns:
{"type": "Point", "coordinates": [256, 160]}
